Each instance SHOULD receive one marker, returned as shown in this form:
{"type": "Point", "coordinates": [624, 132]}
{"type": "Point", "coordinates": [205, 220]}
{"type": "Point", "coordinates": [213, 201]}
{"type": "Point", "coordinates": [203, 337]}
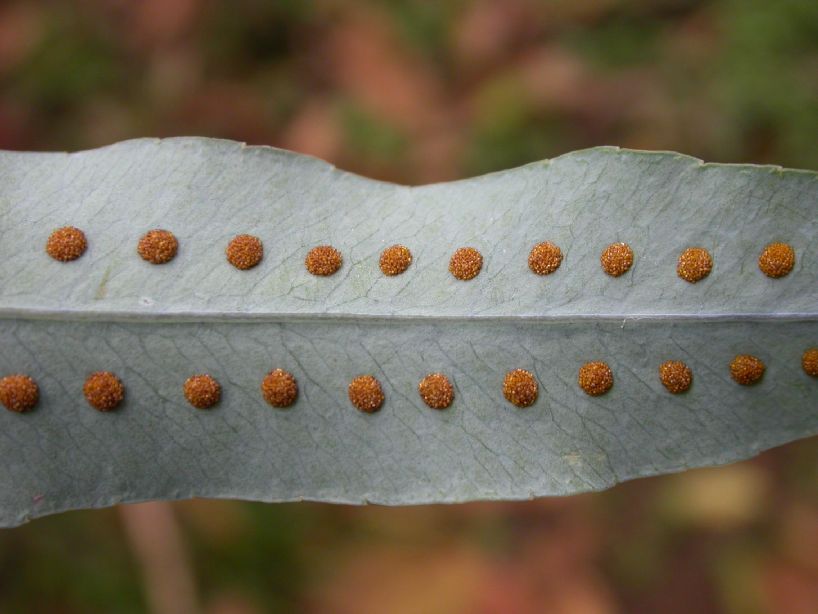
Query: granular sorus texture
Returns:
{"type": "Point", "coordinates": [19, 393]}
{"type": "Point", "coordinates": [395, 260]}
{"type": "Point", "coordinates": [520, 387]}
{"type": "Point", "coordinates": [776, 260]}
{"type": "Point", "coordinates": [279, 388]}
{"type": "Point", "coordinates": [323, 260]}
{"type": "Point", "coordinates": [746, 369]}
{"type": "Point", "coordinates": [202, 391]}
{"type": "Point", "coordinates": [366, 394]}
{"type": "Point", "coordinates": [544, 258]}
{"type": "Point", "coordinates": [66, 244]}
{"type": "Point", "coordinates": [244, 252]}
{"type": "Point", "coordinates": [103, 390]}
{"type": "Point", "coordinates": [676, 376]}
{"type": "Point", "coordinates": [616, 259]}
{"type": "Point", "coordinates": [436, 391]}
{"type": "Point", "coordinates": [595, 378]}
{"type": "Point", "coordinates": [466, 263]}
{"type": "Point", "coordinates": [158, 246]}
{"type": "Point", "coordinates": [694, 264]}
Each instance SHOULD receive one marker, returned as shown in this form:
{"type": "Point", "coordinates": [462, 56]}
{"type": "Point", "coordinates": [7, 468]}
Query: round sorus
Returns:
{"type": "Point", "coordinates": [202, 391]}
{"type": "Point", "coordinates": [158, 246]}
{"type": "Point", "coordinates": [676, 376]}
{"type": "Point", "coordinates": [694, 264]}
{"type": "Point", "coordinates": [466, 263]}
{"type": "Point", "coordinates": [366, 394]}
{"type": "Point", "coordinates": [746, 369]}
{"type": "Point", "coordinates": [395, 260]}
{"type": "Point", "coordinates": [520, 387]}
{"type": "Point", "coordinates": [544, 258]}
{"type": "Point", "coordinates": [809, 362]}
{"type": "Point", "coordinates": [66, 244]}
{"type": "Point", "coordinates": [279, 388]}
{"type": "Point", "coordinates": [323, 260]}
{"type": "Point", "coordinates": [595, 378]}
{"type": "Point", "coordinates": [616, 259]}
{"type": "Point", "coordinates": [19, 393]}
{"type": "Point", "coordinates": [776, 260]}
{"type": "Point", "coordinates": [103, 390]}
{"type": "Point", "coordinates": [244, 251]}
{"type": "Point", "coordinates": [436, 391]}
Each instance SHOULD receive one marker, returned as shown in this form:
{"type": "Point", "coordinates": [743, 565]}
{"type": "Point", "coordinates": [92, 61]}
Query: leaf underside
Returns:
{"type": "Point", "coordinates": [156, 325]}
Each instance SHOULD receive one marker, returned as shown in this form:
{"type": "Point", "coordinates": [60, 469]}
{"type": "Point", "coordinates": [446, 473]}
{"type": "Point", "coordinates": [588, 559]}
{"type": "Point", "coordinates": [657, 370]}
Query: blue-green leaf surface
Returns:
{"type": "Point", "coordinates": [156, 325]}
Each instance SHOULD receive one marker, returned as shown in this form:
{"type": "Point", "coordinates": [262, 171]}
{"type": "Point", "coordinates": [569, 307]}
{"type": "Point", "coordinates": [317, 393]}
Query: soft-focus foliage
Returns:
{"type": "Point", "coordinates": [417, 91]}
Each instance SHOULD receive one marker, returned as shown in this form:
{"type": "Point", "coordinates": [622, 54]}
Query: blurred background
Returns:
{"type": "Point", "coordinates": [415, 91]}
